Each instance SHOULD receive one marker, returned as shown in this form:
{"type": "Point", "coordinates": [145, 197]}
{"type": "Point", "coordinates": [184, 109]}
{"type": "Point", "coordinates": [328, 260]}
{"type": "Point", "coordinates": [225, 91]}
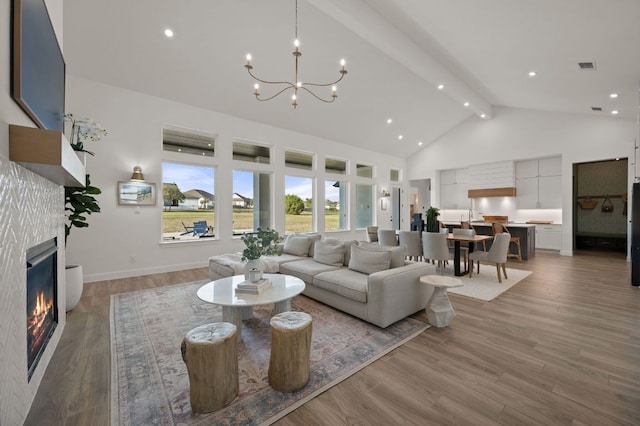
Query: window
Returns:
{"type": "Point", "coordinates": [364, 170]}
{"type": "Point", "coordinates": [333, 165]}
{"type": "Point", "coordinates": [251, 152]}
{"type": "Point", "coordinates": [335, 205]}
{"type": "Point", "coordinates": [298, 204]}
{"type": "Point", "coordinates": [298, 160]}
{"type": "Point", "coordinates": [251, 201]}
{"type": "Point", "coordinates": [364, 205]}
{"type": "Point", "coordinates": [188, 142]}
{"type": "Point", "coordinates": [394, 175]}
{"type": "Point", "coordinates": [188, 193]}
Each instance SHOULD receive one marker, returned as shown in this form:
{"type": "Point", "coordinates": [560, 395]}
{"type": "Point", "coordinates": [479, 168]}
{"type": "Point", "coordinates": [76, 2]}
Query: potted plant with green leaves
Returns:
{"type": "Point", "coordinates": [79, 201]}
{"type": "Point", "coordinates": [262, 243]}
{"type": "Point", "coordinates": [431, 216]}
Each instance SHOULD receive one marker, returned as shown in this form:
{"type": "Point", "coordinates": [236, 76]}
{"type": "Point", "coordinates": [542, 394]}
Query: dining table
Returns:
{"type": "Point", "coordinates": [472, 240]}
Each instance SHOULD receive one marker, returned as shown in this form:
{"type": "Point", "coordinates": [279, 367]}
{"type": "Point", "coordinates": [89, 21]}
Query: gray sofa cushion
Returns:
{"type": "Point", "coordinates": [313, 237]}
{"type": "Point", "coordinates": [283, 258]}
{"type": "Point", "coordinates": [345, 282]}
{"type": "Point", "coordinates": [398, 253]}
{"type": "Point", "coordinates": [369, 261]}
{"type": "Point", "coordinates": [329, 254]}
{"type": "Point", "coordinates": [347, 244]}
{"type": "Point", "coordinates": [296, 245]}
{"type": "Point", "coordinates": [305, 269]}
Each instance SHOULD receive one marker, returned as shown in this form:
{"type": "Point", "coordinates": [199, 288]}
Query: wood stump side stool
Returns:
{"type": "Point", "coordinates": [211, 355]}
{"type": "Point", "coordinates": [290, 349]}
{"type": "Point", "coordinates": [439, 309]}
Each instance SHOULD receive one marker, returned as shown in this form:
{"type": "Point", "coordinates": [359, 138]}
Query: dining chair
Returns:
{"type": "Point", "coordinates": [464, 246]}
{"type": "Point", "coordinates": [372, 234]}
{"type": "Point", "coordinates": [465, 225]}
{"type": "Point", "coordinates": [434, 247]}
{"type": "Point", "coordinates": [497, 254]}
{"type": "Point", "coordinates": [387, 237]}
{"type": "Point", "coordinates": [484, 243]}
{"type": "Point", "coordinates": [411, 240]}
{"type": "Point", "coordinates": [499, 228]}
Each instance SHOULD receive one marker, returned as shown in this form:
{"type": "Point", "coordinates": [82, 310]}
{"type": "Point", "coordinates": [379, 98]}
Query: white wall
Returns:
{"type": "Point", "coordinates": [517, 134]}
{"type": "Point", "coordinates": [134, 123]}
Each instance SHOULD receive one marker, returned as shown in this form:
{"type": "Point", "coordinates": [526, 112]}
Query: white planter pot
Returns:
{"type": "Point", "coordinates": [253, 269]}
{"type": "Point", "coordinates": [73, 285]}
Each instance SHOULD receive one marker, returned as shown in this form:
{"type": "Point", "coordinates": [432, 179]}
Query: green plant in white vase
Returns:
{"type": "Point", "coordinates": [262, 243]}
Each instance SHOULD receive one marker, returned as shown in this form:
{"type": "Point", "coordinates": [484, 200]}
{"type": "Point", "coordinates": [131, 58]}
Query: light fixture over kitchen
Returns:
{"type": "Point", "coordinates": [297, 85]}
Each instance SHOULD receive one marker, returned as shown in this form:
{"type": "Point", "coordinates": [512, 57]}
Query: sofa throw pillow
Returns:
{"type": "Point", "coordinates": [328, 254]}
{"type": "Point", "coordinates": [347, 244]}
{"type": "Point", "coordinates": [398, 253]}
{"type": "Point", "coordinates": [313, 237]}
{"type": "Point", "coordinates": [369, 261]}
{"type": "Point", "coordinates": [298, 246]}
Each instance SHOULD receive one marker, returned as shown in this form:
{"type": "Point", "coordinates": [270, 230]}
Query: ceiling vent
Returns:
{"type": "Point", "coordinates": [596, 108]}
{"type": "Point", "coordinates": [587, 66]}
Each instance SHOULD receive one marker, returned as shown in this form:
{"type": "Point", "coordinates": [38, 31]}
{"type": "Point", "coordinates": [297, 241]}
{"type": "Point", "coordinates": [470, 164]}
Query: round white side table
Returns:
{"type": "Point", "coordinates": [439, 309]}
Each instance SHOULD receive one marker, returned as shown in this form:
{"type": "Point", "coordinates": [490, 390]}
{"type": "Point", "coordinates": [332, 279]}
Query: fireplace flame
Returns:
{"type": "Point", "coordinates": [39, 314]}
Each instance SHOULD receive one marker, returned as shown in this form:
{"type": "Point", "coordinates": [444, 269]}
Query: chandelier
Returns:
{"type": "Point", "coordinates": [298, 85]}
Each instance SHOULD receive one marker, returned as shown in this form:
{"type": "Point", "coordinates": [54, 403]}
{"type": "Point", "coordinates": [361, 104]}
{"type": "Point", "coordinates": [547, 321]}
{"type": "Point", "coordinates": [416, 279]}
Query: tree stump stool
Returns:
{"type": "Point", "coordinates": [290, 348]}
{"type": "Point", "coordinates": [211, 356]}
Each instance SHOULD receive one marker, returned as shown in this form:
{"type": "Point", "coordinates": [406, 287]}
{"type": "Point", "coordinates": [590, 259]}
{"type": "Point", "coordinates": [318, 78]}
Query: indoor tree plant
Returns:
{"type": "Point", "coordinates": [431, 216]}
{"type": "Point", "coordinates": [79, 201]}
{"type": "Point", "coordinates": [262, 243]}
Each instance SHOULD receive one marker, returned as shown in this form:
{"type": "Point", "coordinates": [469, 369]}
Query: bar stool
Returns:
{"type": "Point", "coordinates": [499, 228]}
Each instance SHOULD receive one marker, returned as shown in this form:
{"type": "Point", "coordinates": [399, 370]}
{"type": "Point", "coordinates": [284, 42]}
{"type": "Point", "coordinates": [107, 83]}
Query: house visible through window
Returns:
{"type": "Point", "coordinates": [189, 201]}
{"type": "Point", "coordinates": [251, 201]}
{"type": "Point", "coordinates": [335, 205]}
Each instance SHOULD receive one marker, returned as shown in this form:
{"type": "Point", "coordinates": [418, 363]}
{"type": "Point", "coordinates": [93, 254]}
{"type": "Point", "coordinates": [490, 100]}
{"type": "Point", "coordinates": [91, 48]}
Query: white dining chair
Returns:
{"type": "Point", "coordinates": [411, 240]}
{"type": "Point", "coordinates": [434, 247]}
{"type": "Point", "coordinates": [497, 254]}
{"type": "Point", "coordinates": [372, 234]}
{"type": "Point", "coordinates": [387, 237]}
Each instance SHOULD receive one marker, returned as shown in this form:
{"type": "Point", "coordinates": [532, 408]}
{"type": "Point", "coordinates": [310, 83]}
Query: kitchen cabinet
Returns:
{"type": "Point", "coordinates": [538, 183]}
{"type": "Point", "coordinates": [549, 237]}
{"type": "Point", "coordinates": [453, 189]}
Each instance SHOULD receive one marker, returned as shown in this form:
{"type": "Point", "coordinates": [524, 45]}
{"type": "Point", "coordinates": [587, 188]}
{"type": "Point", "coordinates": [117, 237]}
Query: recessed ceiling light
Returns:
{"type": "Point", "coordinates": [400, 137]}
{"type": "Point", "coordinates": [440, 86]}
{"type": "Point", "coordinates": [168, 32]}
{"type": "Point", "coordinates": [420, 143]}
{"type": "Point", "coordinates": [466, 104]}
{"type": "Point", "coordinates": [532, 73]}
{"type": "Point", "coordinates": [483, 115]}
{"type": "Point", "coordinates": [613, 95]}
{"type": "Point", "coordinates": [614, 112]}
{"type": "Point", "coordinates": [389, 121]}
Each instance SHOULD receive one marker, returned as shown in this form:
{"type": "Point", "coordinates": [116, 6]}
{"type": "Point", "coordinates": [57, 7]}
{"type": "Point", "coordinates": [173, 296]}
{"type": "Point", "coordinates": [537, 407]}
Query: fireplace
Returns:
{"type": "Point", "coordinates": [42, 305]}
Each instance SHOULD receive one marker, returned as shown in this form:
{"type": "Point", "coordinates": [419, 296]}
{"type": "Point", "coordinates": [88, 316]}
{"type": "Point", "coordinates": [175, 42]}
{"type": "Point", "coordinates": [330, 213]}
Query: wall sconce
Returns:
{"type": "Point", "coordinates": [137, 174]}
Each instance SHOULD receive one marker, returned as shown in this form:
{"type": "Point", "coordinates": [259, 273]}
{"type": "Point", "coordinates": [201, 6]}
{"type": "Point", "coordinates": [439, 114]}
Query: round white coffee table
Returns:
{"type": "Point", "coordinates": [439, 309]}
{"type": "Point", "coordinates": [238, 306]}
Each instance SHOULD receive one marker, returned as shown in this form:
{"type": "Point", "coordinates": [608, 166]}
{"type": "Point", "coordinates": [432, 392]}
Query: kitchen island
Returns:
{"type": "Point", "coordinates": [526, 232]}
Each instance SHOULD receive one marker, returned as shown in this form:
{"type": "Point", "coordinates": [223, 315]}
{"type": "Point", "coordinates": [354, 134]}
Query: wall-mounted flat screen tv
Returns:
{"type": "Point", "coordinates": [38, 71]}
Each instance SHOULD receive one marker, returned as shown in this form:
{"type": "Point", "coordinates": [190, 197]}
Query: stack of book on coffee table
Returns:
{"type": "Point", "coordinates": [251, 287]}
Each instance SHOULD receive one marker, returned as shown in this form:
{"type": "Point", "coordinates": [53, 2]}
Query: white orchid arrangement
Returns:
{"type": "Point", "coordinates": [82, 130]}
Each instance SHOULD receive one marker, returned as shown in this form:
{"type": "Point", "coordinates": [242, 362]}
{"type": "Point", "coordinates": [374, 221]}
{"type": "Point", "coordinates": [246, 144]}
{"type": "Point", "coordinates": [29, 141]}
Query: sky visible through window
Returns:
{"type": "Point", "coordinates": [299, 186]}
{"type": "Point", "coordinates": [189, 177]}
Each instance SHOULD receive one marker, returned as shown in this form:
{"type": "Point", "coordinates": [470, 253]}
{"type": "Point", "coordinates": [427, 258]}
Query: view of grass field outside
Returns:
{"type": "Point", "coordinates": [189, 196]}
{"type": "Point", "coordinates": [335, 195]}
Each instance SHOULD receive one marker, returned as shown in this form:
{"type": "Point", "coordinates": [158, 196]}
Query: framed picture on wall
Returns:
{"type": "Point", "coordinates": [136, 193]}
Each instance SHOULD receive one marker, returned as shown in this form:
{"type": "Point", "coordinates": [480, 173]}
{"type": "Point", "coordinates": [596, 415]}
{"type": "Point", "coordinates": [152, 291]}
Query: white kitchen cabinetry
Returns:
{"type": "Point", "coordinates": [549, 237]}
{"type": "Point", "coordinates": [453, 189]}
{"type": "Point", "coordinates": [538, 183]}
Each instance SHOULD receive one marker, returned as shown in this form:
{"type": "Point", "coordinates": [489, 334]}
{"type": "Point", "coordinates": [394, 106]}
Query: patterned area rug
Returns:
{"type": "Point", "coordinates": [150, 385]}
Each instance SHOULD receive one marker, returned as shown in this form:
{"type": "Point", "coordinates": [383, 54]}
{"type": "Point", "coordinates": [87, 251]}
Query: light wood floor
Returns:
{"type": "Point", "coordinates": [561, 347]}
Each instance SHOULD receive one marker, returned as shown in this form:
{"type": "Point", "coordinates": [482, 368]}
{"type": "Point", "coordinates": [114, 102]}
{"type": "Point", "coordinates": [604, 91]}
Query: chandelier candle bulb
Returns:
{"type": "Point", "coordinates": [256, 88]}
{"type": "Point", "coordinates": [248, 60]}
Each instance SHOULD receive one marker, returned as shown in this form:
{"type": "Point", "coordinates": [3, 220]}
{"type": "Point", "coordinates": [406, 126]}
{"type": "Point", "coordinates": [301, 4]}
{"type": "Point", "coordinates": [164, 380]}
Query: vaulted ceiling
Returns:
{"type": "Point", "coordinates": [397, 53]}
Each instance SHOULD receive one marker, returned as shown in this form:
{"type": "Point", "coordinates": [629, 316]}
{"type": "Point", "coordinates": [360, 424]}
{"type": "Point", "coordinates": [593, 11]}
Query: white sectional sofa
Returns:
{"type": "Point", "coordinates": [371, 282]}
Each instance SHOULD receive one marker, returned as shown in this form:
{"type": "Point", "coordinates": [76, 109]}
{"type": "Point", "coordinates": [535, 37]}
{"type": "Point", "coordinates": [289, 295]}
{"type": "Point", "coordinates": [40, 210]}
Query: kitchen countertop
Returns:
{"type": "Point", "coordinates": [480, 223]}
